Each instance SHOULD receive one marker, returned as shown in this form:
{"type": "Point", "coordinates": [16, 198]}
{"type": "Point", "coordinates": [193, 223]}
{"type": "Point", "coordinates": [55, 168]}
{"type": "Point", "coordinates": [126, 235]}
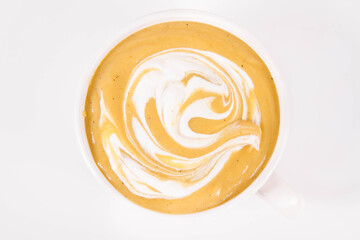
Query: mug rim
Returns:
{"type": "Point", "coordinates": [213, 20]}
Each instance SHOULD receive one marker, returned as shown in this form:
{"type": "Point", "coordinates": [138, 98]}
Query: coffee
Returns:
{"type": "Point", "coordinates": [181, 116]}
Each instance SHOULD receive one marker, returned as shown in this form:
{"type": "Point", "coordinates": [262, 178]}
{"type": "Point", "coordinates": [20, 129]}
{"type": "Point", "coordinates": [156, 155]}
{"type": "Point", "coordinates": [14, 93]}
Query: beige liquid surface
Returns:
{"type": "Point", "coordinates": [109, 85]}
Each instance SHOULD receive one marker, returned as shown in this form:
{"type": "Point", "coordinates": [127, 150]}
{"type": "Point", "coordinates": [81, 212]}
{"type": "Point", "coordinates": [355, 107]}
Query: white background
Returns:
{"type": "Point", "coordinates": [47, 190]}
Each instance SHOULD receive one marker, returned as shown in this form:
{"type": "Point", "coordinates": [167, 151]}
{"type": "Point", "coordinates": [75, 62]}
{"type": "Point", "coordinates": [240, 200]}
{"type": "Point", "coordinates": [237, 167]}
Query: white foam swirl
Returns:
{"type": "Point", "coordinates": [183, 84]}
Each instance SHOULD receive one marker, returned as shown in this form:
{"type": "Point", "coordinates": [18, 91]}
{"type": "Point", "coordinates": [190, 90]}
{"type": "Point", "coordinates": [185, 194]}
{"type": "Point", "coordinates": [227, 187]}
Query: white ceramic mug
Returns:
{"type": "Point", "coordinates": [268, 184]}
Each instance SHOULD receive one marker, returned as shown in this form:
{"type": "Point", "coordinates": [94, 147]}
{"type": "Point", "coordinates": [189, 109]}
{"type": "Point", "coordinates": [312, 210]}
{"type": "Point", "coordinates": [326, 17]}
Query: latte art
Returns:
{"type": "Point", "coordinates": [181, 116]}
{"type": "Point", "coordinates": [185, 111]}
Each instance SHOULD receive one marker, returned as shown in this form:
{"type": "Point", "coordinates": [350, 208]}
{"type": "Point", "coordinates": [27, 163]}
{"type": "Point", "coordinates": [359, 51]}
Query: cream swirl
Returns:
{"type": "Point", "coordinates": [185, 112]}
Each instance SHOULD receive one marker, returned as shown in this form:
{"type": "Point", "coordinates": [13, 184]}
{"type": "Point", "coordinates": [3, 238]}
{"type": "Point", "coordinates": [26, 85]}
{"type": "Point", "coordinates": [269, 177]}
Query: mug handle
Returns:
{"type": "Point", "coordinates": [280, 196]}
